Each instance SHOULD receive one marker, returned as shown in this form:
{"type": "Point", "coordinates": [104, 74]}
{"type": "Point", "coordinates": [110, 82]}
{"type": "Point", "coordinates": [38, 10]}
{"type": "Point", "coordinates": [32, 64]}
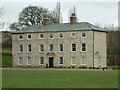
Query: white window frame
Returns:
{"type": "Point", "coordinates": [59, 61]}
{"type": "Point", "coordinates": [40, 37]}
{"type": "Point", "coordinates": [59, 35]}
{"type": "Point", "coordinates": [19, 37]}
{"type": "Point", "coordinates": [40, 61]}
{"type": "Point", "coordinates": [71, 61]}
{"type": "Point", "coordinates": [59, 48]}
{"type": "Point", "coordinates": [81, 47]}
{"type": "Point", "coordinates": [72, 34]}
{"type": "Point", "coordinates": [29, 38]}
{"type": "Point", "coordinates": [49, 48]}
{"type": "Point", "coordinates": [52, 34]}
{"type": "Point", "coordinates": [19, 49]}
{"type": "Point", "coordinates": [81, 61]}
{"type": "Point", "coordinates": [19, 62]}
{"type": "Point", "coordinates": [71, 47]}
{"type": "Point", "coordinates": [31, 48]}
{"type": "Point", "coordinates": [82, 33]}
{"type": "Point", "coordinates": [40, 47]}
{"type": "Point", "coordinates": [27, 61]}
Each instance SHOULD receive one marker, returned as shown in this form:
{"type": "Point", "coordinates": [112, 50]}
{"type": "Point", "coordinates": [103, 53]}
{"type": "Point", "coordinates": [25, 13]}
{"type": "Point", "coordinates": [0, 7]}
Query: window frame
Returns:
{"type": "Point", "coordinates": [85, 47]}
{"type": "Point", "coordinates": [72, 34]}
{"type": "Point", "coordinates": [72, 47]}
{"type": "Point", "coordinates": [72, 59]}
{"type": "Point", "coordinates": [59, 48]}
{"type": "Point", "coordinates": [19, 37]}
{"type": "Point", "coordinates": [52, 37]}
{"type": "Point", "coordinates": [29, 38]}
{"type": "Point", "coordinates": [82, 61]}
{"type": "Point", "coordinates": [19, 60]}
{"type": "Point", "coordinates": [49, 48]}
{"type": "Point", "coordinates": [62, 35]}
{"type": "Point", "coordinates": [59, 61]}
{"type": "Point", "coordinates": [28, 59]}
{"type": "Point", "coordinates": [40, 60]}
{"type": "Point", "coordinates": [82, 34]}
{"type": "Point", "coordinates": [40, 36]}
{"type": "Point", "coordinates": [20, 48]}
{"type": "Point", "coordinates": [40, 48]}
{"type": "Point", "coordinates": [28, 48]}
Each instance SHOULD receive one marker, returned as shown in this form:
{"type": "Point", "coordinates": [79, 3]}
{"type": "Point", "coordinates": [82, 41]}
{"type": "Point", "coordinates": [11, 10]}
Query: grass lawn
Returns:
{"type": "Point", "coordinates": [59, 79]}
{"type": "Point", "coordinates": [6, 61]}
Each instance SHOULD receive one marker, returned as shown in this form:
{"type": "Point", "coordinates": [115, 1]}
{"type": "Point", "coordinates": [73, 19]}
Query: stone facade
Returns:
{"type": "Point", "coordinates": [94, 56]}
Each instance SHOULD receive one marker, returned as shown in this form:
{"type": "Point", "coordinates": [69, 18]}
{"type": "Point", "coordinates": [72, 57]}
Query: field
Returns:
{"type": "Point", "coordinates": [59, 79]}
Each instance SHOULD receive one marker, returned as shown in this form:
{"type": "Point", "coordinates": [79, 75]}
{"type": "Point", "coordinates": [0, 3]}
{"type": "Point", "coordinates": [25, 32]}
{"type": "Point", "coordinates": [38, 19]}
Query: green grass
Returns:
{"type": "Point", "coordinates": [5, 50]}
{"type": "Point", "coordinates": [6, 61]}
{"type": "Point", "coordinates": [59, 79]}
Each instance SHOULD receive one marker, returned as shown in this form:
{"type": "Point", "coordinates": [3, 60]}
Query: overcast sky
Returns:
{"type": "Point", "coordinates": [102, 13]}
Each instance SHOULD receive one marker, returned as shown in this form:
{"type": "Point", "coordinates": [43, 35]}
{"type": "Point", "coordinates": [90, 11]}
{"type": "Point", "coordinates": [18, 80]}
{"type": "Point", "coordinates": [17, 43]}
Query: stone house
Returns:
{"type": "Point", "coordinates": [74, 44]}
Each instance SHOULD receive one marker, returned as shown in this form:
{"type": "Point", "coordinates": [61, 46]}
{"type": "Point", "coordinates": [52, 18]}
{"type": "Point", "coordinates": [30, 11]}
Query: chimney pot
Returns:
{"type": "Point", "coordinates": [72, 18]}
{"type": "Point", "coordinates": [46, 20]}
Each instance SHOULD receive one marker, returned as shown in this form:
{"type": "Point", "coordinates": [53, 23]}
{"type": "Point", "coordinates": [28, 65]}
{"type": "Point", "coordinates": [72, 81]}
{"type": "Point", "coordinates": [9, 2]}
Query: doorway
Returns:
{"type": "Point", "coordinates": [51, 65]}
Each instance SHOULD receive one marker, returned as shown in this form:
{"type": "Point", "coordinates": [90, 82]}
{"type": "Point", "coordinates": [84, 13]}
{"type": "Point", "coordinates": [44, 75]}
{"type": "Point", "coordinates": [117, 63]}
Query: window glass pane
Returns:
{"type": "Point", "coordinates": [60, 35]}
{"type": "Point", "coordinates": [41, 47]}
{"type": "Point", "coordinates": [83, 34]}
{"type": "Point", "coordinates": [20, 60]}
{"type": "Point", "coordinates": [60, 47]}
{"type": "Point", "coordinates": [83, 46]}
{"type": "Point", "coordinates": [41, 36]}
{"type": "Point", "coordinates": [29, 60]}
{"type": "Point", "coordinates": [20, 37]}
{"type": "Point", "coordinates": [20, 48]}
{"type": "Point", "coordinates": [41, 60]}
{"type": "Point", "coordinates": [73, 47]}
{"type": "Point", "coordinates": [50, 47]}
{"type": "Point", "coordinates": [29, 48]}
{"type": "Point", "coordinates": [73, 60]}
{"type": "Point", "coordinates": [60, 60]}
{"type": "Point", "coordinates": [73, 35]}
{"type": "Point", "coordinates": [29, 36]}
{"type": "Point", "coordinates": [83, 61]}
{"type": "Point", "coordinates": [51, 35]}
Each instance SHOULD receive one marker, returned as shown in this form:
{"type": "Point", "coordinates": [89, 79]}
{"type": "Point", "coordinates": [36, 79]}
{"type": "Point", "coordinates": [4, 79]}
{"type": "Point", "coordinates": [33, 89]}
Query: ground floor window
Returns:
{"type": "Point", "coordinates": [41, 60]}
{"type": "Point", "coordinates": [29, 60]}
{"type": "Point", "coordinates": [83, 61]}
{"type": "Point", "coordinates": [60, 60]}
{"type": "Point", "coordinates": [20, 61]}
{"type": "Point", "coordinates": [73, 61]}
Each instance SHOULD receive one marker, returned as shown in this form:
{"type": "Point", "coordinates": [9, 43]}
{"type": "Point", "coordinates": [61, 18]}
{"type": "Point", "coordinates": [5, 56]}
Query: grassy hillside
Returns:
{"type": "Point", "coordinates": [59, 79]}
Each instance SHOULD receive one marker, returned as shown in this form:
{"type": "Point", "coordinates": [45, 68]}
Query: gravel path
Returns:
{"type": "Point", "coordinates": [53, 69]}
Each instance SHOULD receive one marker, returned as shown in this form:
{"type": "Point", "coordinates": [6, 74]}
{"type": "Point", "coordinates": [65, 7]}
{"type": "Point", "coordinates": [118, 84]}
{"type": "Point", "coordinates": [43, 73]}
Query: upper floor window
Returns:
{"type": "Point", "coordinates": [83, 34]}
{"type": "Point", "coordinates": [20, 48]}
{"type": "Point", "coordinates": [41, 60]}
{"type": "Point", "coordinates": [29, 49]}
{"type": "Point", "coordinates": [51, 35]}
{"type": "Point", "coordinates": [41, 49]}
{"type": "Point", "coordinates": [73, 47]}
{"type": "Point", "coordinates": [73, 61]}
{"type": "Point", "coordinates": [20, 37]}
{"type": "Point", "coordinates": [83, 61]}
{"type": "Point", "coordinates": [20, 61]}
{"type": "Point", "coordinates": [50, 48]}
{"type": "Point", "coordinates": [61, 47]}
{"type": "Point", "coordinates": [61, 62]}
{"type": "Point", "coordinates": [29, 36]}
{"type": "Point", "coordinates": [29, 61]}
{"type": "Point", "coordinates": [83, 47]}
{"type": "Point", "coordinates": [61, 35]}
{"type": "Point", "coordinates": [41, 36]}
{"type": "Point", "coordinates": [73, 35]}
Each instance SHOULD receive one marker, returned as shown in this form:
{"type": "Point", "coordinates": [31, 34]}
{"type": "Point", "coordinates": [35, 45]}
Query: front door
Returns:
{"type": "Point", "coordinates": [51, 62]}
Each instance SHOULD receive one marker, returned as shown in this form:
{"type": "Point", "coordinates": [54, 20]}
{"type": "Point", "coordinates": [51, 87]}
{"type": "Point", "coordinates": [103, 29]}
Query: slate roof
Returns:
{"type": "Point", "coordinates": [60, 27]}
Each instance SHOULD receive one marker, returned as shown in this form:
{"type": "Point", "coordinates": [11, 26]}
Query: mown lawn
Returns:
{"type": "Point", "coordinates": [59, 79]}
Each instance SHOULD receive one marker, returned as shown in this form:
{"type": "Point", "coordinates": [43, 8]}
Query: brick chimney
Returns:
{"type": "Point", "coordinates": [72, 18]}
{"type": "Point", "coordinates": [46, 20]}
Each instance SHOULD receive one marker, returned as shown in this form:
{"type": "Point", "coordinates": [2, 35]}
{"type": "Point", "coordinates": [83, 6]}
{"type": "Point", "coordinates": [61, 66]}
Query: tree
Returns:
{"type": "Point", "coordinates": [2, 11]}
